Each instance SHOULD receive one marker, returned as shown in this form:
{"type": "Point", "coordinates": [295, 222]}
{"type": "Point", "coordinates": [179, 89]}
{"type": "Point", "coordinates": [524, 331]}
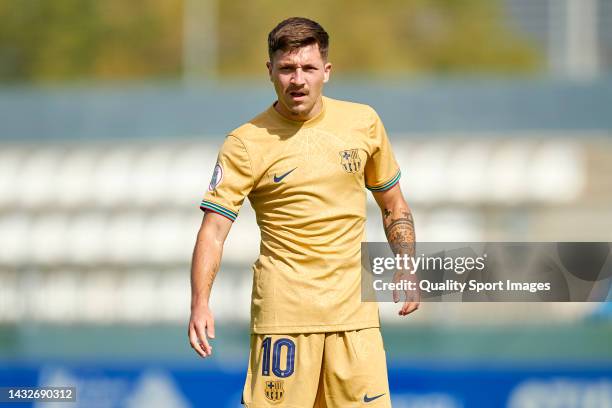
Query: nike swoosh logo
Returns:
{"type": "Point", "coordinates": [282, 176]}
{"type": "Point", "coordinates": [366, 399]}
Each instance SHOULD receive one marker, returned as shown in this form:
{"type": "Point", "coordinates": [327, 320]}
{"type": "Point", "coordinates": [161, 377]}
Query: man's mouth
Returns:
{"type": "Point", "coordinates": [297, 94]}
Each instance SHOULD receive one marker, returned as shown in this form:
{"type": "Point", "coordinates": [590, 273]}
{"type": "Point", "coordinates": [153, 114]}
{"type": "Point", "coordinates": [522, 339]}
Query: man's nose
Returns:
{"type": "Point", "coordinates": [297, 77]}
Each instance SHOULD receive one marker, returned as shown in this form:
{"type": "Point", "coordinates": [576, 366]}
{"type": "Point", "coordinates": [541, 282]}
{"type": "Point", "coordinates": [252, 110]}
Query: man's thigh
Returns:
{"type": "Point", "coordinates": [354, 370]}
{"type": "Point", "coordinates": [284, 370]}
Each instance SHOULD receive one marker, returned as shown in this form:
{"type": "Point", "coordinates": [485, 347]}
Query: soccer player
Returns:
{"type": "Point", "coordinates": [304, 164]}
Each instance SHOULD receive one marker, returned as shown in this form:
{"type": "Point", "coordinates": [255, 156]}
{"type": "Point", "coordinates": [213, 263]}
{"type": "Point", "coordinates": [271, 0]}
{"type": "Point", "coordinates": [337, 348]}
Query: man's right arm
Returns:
{"type": "Point", "coordinates": [205, 264]}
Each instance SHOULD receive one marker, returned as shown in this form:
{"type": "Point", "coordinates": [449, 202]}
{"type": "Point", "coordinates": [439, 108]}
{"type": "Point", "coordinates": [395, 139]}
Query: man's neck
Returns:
{"type": "Point", "coordinates": [316, 109]}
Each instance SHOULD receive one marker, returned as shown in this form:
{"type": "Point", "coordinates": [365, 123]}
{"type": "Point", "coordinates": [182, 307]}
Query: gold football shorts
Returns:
{"type": "Point", "coordinates": [334, 370]}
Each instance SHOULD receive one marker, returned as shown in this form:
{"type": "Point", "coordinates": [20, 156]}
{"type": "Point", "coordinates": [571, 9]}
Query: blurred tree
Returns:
{"type": "Point", "coordinates": [43, 40]}
{"type": "Point", "coordinates": [73, 39]}
{"type": "Point", "coordinates": [383, 37]}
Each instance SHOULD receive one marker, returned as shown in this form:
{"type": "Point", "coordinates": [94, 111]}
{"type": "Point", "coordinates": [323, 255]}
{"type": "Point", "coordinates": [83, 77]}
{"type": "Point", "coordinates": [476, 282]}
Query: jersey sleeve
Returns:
{"type": "Point", "coordinates": [232, 180]}
{"type": "Point", "coordinates": [381, 170]}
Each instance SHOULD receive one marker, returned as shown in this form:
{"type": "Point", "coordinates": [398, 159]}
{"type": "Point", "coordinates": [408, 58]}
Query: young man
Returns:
{"type": "Point", "coordinates": [304, 164]}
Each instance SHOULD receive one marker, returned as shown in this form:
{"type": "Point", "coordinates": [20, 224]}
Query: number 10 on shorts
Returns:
{"type": "Point", "coordinates": [277, 350]}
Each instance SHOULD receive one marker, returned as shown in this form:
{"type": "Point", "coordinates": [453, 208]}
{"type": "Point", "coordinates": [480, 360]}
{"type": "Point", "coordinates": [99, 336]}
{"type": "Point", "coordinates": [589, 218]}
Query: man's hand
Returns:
{"type": "Point", "coordinates": [204, 267]}
{"type": "Point", "coordinates": [201, 327]}
{"type": "Point", "coordinates": [413, 297]}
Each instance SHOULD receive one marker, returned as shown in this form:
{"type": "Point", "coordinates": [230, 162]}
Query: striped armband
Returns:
{"type": "Point", "coordinates": [386, 185]}
{"type": "Point", "coordinates": [216, 208]}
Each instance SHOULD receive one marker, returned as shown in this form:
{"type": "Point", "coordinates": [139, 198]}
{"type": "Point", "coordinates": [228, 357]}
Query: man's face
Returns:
{"type": "Point", "coordinates": [298, 78]}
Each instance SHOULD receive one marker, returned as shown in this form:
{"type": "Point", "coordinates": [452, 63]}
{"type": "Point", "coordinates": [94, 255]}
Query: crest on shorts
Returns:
{"type": "Point", "coordinates": [274, 391]}
{"type": "Point", "coordinates": [350, 161]}
{"type": "Point", "coordinates": [216, 178]}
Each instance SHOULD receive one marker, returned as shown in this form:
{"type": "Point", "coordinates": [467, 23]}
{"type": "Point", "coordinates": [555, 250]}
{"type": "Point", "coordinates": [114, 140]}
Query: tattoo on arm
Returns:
{"type": "Point", "coordinates": [400, 232]}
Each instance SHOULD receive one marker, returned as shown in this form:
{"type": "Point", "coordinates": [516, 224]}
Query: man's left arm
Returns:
{"type": "Point", "coordinates": [399, 229]}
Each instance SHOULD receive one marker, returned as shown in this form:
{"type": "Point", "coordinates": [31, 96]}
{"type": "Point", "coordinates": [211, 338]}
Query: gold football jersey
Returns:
{"type": "Point", "coordinates": [306, 182]}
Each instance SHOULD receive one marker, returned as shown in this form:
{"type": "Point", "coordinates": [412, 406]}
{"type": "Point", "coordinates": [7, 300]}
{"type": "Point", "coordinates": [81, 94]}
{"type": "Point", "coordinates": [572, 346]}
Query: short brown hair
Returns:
{"type": "Point", "coordinates": [297, 32]}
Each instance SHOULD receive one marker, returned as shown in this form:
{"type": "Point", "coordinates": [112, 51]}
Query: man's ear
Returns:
{"type": "Point", "coordinates": [327, 71]}
{"type": "Point", "coordinates": [269, 65]}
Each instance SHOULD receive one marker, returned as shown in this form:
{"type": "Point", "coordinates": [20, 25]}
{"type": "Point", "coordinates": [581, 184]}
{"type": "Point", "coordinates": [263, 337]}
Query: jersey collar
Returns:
{"type": "Point", "coordinates": [302, 124]}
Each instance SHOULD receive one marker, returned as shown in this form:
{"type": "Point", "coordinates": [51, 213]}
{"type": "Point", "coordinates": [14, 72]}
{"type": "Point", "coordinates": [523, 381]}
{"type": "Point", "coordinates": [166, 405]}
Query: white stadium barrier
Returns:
{"type": "Point", "coordinates": [105, 232]}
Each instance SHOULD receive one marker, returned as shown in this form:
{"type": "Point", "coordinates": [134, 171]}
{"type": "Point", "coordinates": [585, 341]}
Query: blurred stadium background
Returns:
{"type": "Point", "coordinates": [111, 114]}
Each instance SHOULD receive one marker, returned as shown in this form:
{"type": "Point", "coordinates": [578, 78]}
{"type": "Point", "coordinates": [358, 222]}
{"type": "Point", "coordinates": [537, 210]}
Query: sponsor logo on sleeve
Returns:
{"type": "Point", "coordinates": [216, 178]}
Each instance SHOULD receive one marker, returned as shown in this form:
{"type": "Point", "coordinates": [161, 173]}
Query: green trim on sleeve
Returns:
{"type": "Point", "coordinates": [219, 209]}
{"type": "Point", "coordinates": [386, 185]}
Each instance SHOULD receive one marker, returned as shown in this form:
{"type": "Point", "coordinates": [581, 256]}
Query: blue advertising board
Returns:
{"type": "Point", "coordinates": [413, 385]}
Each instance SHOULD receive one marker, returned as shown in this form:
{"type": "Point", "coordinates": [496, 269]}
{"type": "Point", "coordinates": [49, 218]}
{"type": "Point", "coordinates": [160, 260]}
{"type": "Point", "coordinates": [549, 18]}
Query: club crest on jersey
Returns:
{"type": "Point", "coordinates": [216, 178]}
{"type": "Point", "coordinates": [350, 160]}
{"type": "Point", "coordinates": [274, 391]}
